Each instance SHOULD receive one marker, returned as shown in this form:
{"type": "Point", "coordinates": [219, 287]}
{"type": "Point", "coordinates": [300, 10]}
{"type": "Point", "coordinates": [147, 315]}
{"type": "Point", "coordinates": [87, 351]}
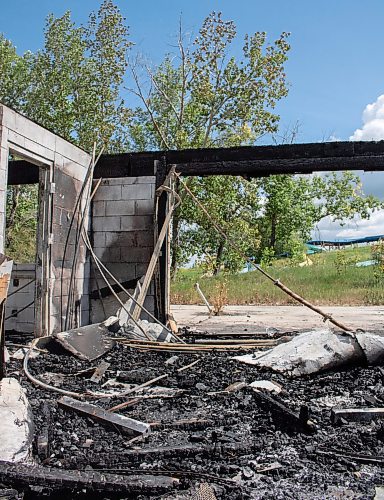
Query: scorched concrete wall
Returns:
{"type": "Point", "coordinates": [68, 165]}
{"type": "Point", "coordinates": [123, 236]}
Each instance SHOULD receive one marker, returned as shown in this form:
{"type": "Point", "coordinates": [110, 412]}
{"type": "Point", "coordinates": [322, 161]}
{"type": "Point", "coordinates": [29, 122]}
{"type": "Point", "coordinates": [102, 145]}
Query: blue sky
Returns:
{"type": "Point", "coordinates": [335, 68]}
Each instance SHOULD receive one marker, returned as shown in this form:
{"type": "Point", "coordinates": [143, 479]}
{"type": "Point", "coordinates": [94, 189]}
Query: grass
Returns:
{"type": "Point", "coordinates": [333, 279]}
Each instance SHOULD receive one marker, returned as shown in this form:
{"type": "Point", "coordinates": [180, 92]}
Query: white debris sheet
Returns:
{"type": "Point", "coordinates": [16, 422]}
{"type": "Point", "coordinates": [319, 350]}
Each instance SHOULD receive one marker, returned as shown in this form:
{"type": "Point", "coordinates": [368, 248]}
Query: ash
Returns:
{"type": "Point", "coordinates": [234, 443]}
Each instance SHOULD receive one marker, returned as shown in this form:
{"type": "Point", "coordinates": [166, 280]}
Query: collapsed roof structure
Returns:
{"type": "Point", "coordinates": [102, 234]}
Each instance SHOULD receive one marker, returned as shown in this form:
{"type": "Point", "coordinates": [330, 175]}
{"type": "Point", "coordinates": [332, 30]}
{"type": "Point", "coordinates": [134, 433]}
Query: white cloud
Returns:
{"type": "Point", "coordinates": [373, 122]}
{"type": "Point", "coordinates": [327, 229]}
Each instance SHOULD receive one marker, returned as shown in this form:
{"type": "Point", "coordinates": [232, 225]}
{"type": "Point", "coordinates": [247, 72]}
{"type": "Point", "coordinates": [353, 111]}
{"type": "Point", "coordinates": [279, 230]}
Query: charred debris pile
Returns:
{"type": "Point", "coordinates": [180, 422]}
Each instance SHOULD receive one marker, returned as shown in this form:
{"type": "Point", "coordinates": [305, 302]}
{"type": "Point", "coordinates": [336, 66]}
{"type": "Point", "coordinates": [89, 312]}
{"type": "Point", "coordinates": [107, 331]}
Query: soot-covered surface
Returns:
{"type": "Point", "coordinates": [252, 453]}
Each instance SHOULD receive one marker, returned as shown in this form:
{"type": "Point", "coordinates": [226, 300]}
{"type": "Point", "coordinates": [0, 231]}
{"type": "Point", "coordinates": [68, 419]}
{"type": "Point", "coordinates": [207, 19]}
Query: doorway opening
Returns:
{"type": "Point", "coordinates": [27, 240]}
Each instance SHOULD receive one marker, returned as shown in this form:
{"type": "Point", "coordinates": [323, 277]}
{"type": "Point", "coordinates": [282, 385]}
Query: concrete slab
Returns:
{"type": "Point", "coordinates": [237, 319]}
{"type": "Point", "coordinates": [16, 422]}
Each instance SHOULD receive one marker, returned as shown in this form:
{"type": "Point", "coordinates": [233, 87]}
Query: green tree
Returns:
{"type": "Point", "coordinates": [72, 86]}
{"type": "Point", "coordinates": [77, 77]}
{"type": "Point", "coordinates": [205, 98]}
{"type": "Point", "coordinates": [234, 209]}
{"type": "Point", "coordinates": [293, 205]}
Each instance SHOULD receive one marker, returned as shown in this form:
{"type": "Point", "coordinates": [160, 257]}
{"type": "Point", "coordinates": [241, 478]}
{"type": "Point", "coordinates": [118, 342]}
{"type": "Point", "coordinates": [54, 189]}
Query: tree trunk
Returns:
{"type": "Point", "coordinates": [219, 257]}
{"type": "Point", "coordinates": [12, 214]}
{"type": "Point", "coordinates": [272, 241]}
{"type": "Point", "coordinates": [175, 243]}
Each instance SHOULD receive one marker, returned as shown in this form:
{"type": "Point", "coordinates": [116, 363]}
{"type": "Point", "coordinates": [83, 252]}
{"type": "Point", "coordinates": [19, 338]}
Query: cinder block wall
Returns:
{"type": "Point", "coordinates": [70, 165]}
{"type": "Point", "coordinates": [123, 237]}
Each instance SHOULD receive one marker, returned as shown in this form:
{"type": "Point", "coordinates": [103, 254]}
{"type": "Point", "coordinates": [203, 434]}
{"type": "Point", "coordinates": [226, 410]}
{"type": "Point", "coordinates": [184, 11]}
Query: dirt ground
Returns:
{"type": "Point", "coordinates": [237, 319]}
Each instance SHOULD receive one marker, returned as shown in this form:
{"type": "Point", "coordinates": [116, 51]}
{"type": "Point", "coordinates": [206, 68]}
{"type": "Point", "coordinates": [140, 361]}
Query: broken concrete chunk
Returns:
{"type": "Point", "coordinates": [16, 422]}
{"type": "Point", "coordinates": [373, 347]}
{"type": "Point", "coordinates": [266, 385]}
{"type": "Point", "coordinates": [309, 352]}
{"type": "Point", "coordinates": [87, 342]}
{"type": "Point", "coordinates": [379, 493]}
{"type": "Point", "coordinates": [172, 360]}
{"type": "Point", "coordinates": [20, 353]}
{"type": "Point", "coordinates": [153, 331]}
{"type": "Point", "coordinates": [124, 424]}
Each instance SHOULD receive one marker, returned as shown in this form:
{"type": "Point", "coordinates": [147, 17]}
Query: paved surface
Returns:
{"type": "Point", "coordinates": [258, 318]}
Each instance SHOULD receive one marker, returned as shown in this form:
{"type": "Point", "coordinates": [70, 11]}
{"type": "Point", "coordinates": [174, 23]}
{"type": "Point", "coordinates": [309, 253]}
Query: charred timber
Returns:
{"type": "Point", "coordinates": [252, 161]}
{"type": "Point", "coordinates": [24, 476]}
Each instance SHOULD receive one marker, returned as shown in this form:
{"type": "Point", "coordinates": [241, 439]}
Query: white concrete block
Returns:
{"type": "Point", "coordinates": [121, 239]}
{"type": "Point", "coordinates": [106, 224]}
{"type": "Point", "coordinates": [106, 192]}
{"type": "Point", "coordinates": [98, 209]}
{"type": "Point", "coordinates": [119, 207]}
{"type": "Point", "coordinates": [144, 207]}
{"type": "Point", "coordinates": [137, 223]}
{"type": "Point", "coordinates": [137, 192]}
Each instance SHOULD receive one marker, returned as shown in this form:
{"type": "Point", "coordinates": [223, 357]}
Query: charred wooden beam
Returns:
{"type": "Point", "coordinates": [356, 414]}
{"type": "Point", "coordinates": [124, 424]}
{"type": "Point", "coordinates": [42, 438]}
{"type": "Point", "coordinates": [249, 161]}
{"type": "Point", "coordinates": [23, 476]}
{"type": "Point", "coordinates": [297, 421]}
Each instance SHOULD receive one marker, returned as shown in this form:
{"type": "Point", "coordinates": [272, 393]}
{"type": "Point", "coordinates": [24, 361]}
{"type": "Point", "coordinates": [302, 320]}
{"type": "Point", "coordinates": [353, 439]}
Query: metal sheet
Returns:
{"type": "Point", "coordinates": [87, 342]}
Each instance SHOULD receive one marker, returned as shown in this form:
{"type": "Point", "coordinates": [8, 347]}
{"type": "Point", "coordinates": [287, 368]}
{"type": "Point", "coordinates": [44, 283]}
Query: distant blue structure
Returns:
{"type": "Point", "coordinates": [346, 241]}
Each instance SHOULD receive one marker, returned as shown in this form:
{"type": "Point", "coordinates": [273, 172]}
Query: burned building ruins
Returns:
{"type": "Point", "coordinates": [102, 395]}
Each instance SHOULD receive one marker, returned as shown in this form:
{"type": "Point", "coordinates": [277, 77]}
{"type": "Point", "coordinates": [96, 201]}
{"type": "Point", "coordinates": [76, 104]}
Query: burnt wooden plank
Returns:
{"type": "Point", "coordinates": [281, 412]}
{"type": "Point", "coordinates": [356, 414]}
{"type": "Point", "coordinates": [24, 476]}
{"type": "Point", "coordinates": [124, 424]}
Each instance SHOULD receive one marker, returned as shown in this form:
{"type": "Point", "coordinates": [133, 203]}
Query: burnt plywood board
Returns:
{"type": "Point", "coordinates": [87, 342]}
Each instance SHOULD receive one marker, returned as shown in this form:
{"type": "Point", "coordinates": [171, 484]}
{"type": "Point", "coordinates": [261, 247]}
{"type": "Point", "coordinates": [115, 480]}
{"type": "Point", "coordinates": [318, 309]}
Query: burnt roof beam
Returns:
{"type": "Point", "coordinates": [249, 161]}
